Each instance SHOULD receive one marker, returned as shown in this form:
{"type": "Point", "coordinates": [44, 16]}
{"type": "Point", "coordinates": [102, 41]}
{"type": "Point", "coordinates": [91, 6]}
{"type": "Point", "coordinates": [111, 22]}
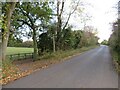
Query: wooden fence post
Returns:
{"type": "Point", "coordinates": [10, 57]}
{"type": "Point", "coordinates": [18, 56]}
{"type": "Point", "coordinates": [25, 55]}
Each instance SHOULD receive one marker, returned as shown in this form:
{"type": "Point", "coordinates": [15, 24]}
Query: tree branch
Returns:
{"type": "Point", "coordinates": [25, 22]}
{"type": "Point", "coordinates": [66, 22]}
{"type": "Point", "coordinates": [70, 15]}
{"type": "Point", "coordinates": [31, 21]}
{"type": "Point", "coordinates": [62, 7]}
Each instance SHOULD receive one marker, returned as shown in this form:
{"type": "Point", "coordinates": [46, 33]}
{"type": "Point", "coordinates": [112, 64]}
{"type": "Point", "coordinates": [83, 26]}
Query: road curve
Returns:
{"type": "Point", "coordinates": [92, 69]}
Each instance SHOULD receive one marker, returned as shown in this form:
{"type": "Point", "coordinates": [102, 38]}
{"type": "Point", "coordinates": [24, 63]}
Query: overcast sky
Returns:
{"type": "Point", "coordinates": [103, 13]}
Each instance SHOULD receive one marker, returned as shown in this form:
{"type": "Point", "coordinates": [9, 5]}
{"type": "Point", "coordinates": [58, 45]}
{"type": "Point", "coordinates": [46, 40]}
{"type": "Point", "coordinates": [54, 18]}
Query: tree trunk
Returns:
{"type": "Point", "coordinates": [35, 45]}
{"type": "Point", "coordinates": [59, 32]}
{"type": "Point", "coordinates": [59, 23]}
{"type": "Point", "coordinates": [6, 30]}
{"type": "Point", "coordinates": [118, 39]}
{"type": "Point", "coordinates": [53, 43]}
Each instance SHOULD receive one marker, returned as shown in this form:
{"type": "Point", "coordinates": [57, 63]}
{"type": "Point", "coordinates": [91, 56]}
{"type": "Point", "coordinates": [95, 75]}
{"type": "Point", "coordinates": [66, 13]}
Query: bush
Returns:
{"type": "Point", "coordinates": [27, 44]}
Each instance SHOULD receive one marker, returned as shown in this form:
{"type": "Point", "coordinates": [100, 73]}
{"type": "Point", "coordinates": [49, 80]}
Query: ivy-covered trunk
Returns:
{"type": "Point", "coordinates": [6, 28]}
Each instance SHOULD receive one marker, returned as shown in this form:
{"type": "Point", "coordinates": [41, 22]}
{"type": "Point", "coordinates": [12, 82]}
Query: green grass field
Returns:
{"type": "Point", "coordinates": [17, 50]}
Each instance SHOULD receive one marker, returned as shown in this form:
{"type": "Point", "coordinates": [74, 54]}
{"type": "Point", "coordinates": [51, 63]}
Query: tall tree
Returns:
{"type": "Point", "coordinates": [59, 21]}
{"type": "Point", "coordinates": [7, 14]}
{"type": "Point", "coordinates": [60, 11]}
{"type": "Point", "coordinates": [32, 14]}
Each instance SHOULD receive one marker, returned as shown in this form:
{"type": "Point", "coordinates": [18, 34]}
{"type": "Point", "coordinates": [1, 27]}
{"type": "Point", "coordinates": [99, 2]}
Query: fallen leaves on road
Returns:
{"type": "Point", "coordinates": [11, 72]}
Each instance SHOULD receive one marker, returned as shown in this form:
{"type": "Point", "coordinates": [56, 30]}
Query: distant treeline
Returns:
{"type": "Point", "coordinates": [71, 39]}
{"type": "Point", "coordinates": [17, 42]}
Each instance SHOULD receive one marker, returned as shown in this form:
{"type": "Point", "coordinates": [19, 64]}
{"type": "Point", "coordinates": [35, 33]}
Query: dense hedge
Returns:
{"type": "Point", "coordinates": [114, 40]}
{"type": "Point", "coordinates": [69, 40]}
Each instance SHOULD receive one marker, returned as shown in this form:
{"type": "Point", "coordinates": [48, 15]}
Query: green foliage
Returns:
{"type": "Point", "coordinates": [14, 42]}
{"type": "Point", "coordinates": [77, 38]}
{"type": "Point", "coordinates": [28, 44]}
{"type": "Point", "coordinates": [28, 14]}
{"type": "Point", "coordinates": [70, 39]}
{"type": "Point", "coordinates": [88, 39]}
{"type": "Point", "coordinates": [60, 55]}
{"type": "Point", "coordinates": [104, 42]}
{"type": "Point", "coordinates": [114, 43]}
{"type": "Point", "coordinates": [66, 39]}
{"type": "Point", "coordinates": [44, 43]}
{"type": "Point", "coordinates": [17, 42]}
{"type": "Point", "coordinates": [114, 40]}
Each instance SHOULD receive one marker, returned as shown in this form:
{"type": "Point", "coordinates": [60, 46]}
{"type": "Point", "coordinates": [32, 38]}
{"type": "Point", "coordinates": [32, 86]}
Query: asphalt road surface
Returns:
{"type": "Point", "coordinates": [91, 69]}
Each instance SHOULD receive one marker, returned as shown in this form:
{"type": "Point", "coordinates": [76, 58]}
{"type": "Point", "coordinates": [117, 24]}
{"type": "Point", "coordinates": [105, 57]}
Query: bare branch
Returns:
{"type": "Point", "coordinates": [62, 7]}
{"type": "Point", "coordinates": [25, 22]}
{"type": "Point", "coordinates": [70, 15]}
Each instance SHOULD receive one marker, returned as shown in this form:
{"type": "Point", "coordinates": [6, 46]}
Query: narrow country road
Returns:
{"type": "Point", "coordinates": [92, 69]}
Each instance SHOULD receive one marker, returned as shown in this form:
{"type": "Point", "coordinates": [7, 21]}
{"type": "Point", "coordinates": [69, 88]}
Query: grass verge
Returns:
{"type": "Point", "coordinates": [115, 60]}
{"type": "Point", "coordinates": [16, 50]}
{"type": "Point", "coordinates": [59, 55]}
{"type": "Point", "coordinates": [10, 72]}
